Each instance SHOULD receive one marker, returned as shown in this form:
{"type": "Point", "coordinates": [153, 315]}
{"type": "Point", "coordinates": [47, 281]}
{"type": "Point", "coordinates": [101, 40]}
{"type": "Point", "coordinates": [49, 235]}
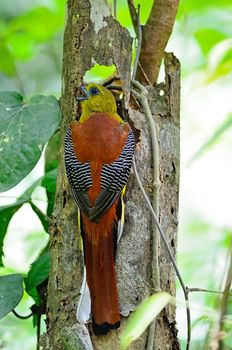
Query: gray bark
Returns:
{"type": "Point", "coordinates": [91, 39]}
{"type": "Point", "coordinates": [134, 253]}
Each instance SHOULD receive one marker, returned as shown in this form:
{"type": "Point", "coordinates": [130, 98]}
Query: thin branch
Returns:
{"type": "Point", "coordinates": [114, 87]}
{"type": "Point", "coordinates": [155, 154]}
{"type": "Point", "coordinates": [216, 342]}
{"type": "Point", "coordinates": [22, 317]}
{"type": "Point", "coordinates": [144, 74]}
{"type": "Point", "coordinates": [115, 8]}
{"type": "Point", "coordinates": [185, 290]}
{"type": "Point", "coordinates": [225, 296]}
{"type": "Point", "coordinates": [155, 151]}
{"type": "Point", "coordinates": [139, 43]}
{"type": "Point", "coordinates": [135, 18]}
{"type": "Point", "coordinates": [133, 15]}
{"type": "Point", "coordinates": [190, 290]}
{"type": "Point", "coordinates": [111, 80]}
{"type": "Point", "coordinates": [155, 270]}
{"type": "Point", "coordinates": [38, 332]}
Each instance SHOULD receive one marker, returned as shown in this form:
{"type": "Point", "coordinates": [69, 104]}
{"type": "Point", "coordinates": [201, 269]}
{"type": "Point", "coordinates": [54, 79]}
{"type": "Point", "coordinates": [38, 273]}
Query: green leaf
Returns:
{"type": "Point", "coordinates": [49, 183]}
{"type": "Point", "coordinates": [37, 274]}
{"type": "Point", "coordinates": [219, 61]}
{"type": "Point", "coordinates": [6, 213]}
{"type": "Point", "coordinates": [142, 317]}
{"type": "Point", "coordinates": [123, 14]}
{"type": "Point", "coordinates": [52, 152]}
{"type": "Point", "coordinates": [99, 72]}
{"type": "Point", "coordinates": [21, 45]}
{"type": "Point", "coordinates": [186, 6]}
{"type": "Point", "coordinates": [208, 37]}
{"type": "Point", "coordinates": [24, 31]}
{"type": "Point", "coordinates": [11, 292]}
{"type": "Point", "coordinates": [203, 319]}
{"type": "Point", "coordinates": [7, 64]}
{"type": "Point", "coordinates": [221, 129]}
{"type": "Point", "coordinates": [40, 23]}
{"type": "Point", "coordinates": [51, 163]}
{"type": "Point", "coordinates": [24, 130]}
{"type": "Point", "coordinates": [49, 180]}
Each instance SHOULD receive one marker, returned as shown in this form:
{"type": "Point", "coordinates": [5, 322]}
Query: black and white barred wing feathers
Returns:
{"type": "Point", "coordinates": [114, 177]}
{"type": "Point", "coordinates": [79, 175]}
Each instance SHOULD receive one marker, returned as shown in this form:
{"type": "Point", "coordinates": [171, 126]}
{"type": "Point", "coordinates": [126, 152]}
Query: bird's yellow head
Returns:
{"type": "Point", "coordinates": [96, 98]}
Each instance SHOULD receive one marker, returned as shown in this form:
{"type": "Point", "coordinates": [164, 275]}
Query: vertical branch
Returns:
{"type": "Point", "coordinates": [165, 110]}
{"type": "Point", "coordinates": [133, 14]}
{"type": "Point", "coordinates": [155, 185]}
{"type": "Point", "coordinates": [156, 33]}
{"type": "Point", "coordinates": [115, 9]}
{"type": "Point", "coordinates": [142, 97]}
{"type": "Point", "coordinates": [139, 43]}
{"type": "Point", "coordinates": [225, 295]}
{"type": "Point", "coordinates": [168, 122]}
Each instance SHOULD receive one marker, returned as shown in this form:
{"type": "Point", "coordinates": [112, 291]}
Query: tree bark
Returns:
{"type": "Point", "coordinates": [93, 36]}
{"type": "Point", "coordinates": [155, 34]}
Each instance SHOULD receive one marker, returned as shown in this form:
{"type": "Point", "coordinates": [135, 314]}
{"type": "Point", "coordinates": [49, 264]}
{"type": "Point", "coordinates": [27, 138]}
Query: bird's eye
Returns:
{"type": "Point", "coordinates": [93, 91]}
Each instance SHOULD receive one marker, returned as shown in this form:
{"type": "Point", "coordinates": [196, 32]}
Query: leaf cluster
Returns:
{"type": "Point", "coordinates": [25, 129]}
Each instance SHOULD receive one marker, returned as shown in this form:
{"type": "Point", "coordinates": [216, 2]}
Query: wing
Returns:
{"type": "Point", "coordinates": [79, 175]}
{"type": "Point", "coordinates": [113, 179]}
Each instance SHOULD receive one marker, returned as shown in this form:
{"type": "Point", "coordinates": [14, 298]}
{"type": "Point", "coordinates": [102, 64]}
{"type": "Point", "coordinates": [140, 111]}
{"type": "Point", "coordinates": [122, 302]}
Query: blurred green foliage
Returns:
{"type": "Point", "coordinates": [30, 62]}
{"type": "Point", "coordinates": [140, 319]}
{"type": "Point", "coordinates": [31, 45]}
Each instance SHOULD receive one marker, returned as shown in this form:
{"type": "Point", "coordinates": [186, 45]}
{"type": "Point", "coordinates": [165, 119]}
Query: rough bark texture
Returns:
{"type": "Point", "coordinates": [134, 252]}
{"type": "Point", "coordinates": [91, 36]}
{"type": "Point", "coordinates": [87, 42]}
{"type": "Point", "coordinates": [168, 121]}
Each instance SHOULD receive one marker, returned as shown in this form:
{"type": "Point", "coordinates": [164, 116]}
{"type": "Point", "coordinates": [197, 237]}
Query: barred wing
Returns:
{"type": "Point", "coordinates": [114, 177]}
{"type": "Point", "coordinates": [79, 175]}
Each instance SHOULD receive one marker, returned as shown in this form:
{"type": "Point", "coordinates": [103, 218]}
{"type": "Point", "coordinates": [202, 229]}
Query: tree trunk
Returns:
{"type": "Point", "coordinates": [93, 36]}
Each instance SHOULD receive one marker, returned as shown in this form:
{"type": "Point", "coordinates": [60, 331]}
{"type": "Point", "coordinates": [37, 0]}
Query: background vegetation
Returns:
{"type": "Point", "coordinates": [30, 63]}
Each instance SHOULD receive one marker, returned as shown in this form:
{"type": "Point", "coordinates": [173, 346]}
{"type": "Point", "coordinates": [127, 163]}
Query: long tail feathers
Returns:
{"type": "Point", "coordinates": [101, 280]}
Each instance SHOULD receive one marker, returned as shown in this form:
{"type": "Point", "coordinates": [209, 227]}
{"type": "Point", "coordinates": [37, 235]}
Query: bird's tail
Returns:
{"type": "Point", "coordinates": [101, 279]}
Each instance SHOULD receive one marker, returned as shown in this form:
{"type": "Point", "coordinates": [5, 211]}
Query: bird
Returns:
{"type": "Point", "coordinates": [99, 150]}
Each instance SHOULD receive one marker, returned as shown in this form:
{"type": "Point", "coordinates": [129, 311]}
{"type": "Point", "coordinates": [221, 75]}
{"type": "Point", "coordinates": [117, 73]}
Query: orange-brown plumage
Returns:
{"type": "Point", "coordinates": [98, 155]}
{"type": "Point", "coordinates": [99, 140]}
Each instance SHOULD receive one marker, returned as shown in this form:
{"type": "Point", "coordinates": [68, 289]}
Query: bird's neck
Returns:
{"type": "Point", "coordinates": [86, 114]}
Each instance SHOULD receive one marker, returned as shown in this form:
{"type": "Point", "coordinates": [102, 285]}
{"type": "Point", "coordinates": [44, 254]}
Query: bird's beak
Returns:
{"type": "Point", "coordinates": [83, 94]}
